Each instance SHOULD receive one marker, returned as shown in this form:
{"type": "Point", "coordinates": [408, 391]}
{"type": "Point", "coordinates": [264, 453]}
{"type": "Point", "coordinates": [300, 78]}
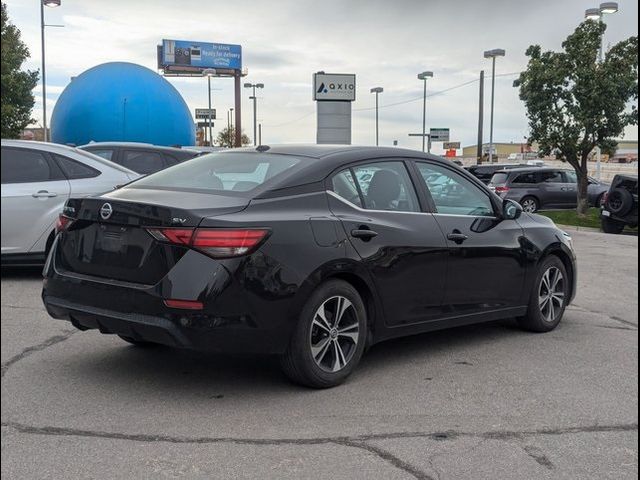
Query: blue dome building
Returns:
{"type": "Point", "coordinates": [121, 101]}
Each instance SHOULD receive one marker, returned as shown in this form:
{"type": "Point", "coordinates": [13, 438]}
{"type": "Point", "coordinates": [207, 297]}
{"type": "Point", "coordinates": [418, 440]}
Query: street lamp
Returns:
{"type": "Point", "coordinates": [423, 76]}
{"type": "Point", "coordinates": [493, 54]}
{"type": "Point", "coordinates": [209, 72]}
{"type": "Point", "coordinates": [43, 3]}
{"type": "Point", "coordinates": [377, 90]}
{"type": "Point", "coordinates": [254, 98]}
{"type": "Point", "coordinates": [598, 14]}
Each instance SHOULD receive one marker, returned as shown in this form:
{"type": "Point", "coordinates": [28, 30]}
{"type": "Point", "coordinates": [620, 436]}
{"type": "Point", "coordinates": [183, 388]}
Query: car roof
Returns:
{"type": "Point", "coordinates": [322, 160]}
{"type": "Point", "coordinates": [130, 144]}
{"type": "Point", "coordinates": [37, 145]}
{"type": "Point", "coordinates": [534, 169]}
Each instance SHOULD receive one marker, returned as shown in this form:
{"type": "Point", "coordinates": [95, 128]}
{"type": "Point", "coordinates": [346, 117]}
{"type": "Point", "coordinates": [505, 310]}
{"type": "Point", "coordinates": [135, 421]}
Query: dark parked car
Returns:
{"type": "Point", "coordinates": [312, 253]}
{"type": "Point", "coordinates": [143, 158]}
{"type": "Point", "coordinates": [537, 188]}
{"type": "Point", "coordinates": [484, 172]}
{"type": "Point", "coordinates": [620, 204]}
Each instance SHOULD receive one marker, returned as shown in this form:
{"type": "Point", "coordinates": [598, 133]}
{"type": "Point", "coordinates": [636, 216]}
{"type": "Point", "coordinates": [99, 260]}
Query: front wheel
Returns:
{"type": "Point", "coordinates": [530, 204]}
{"type": "Point", "coordinates": [329, 339]}
{"type": "Point", "coordinates": [548, 297]}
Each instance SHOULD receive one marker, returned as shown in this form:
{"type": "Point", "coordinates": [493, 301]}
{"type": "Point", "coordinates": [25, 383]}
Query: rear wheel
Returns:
{"type": "Point", "coordinates": [548, 298]}
{"type": "Point", "coordinates": [611, 226]}
{"type": "Point", "coordinates": [530, 204]}
{"type": "Point", "coordinates": [329, 339]}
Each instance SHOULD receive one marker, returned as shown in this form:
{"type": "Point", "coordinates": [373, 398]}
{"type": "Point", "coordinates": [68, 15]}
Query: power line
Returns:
{"type": "Point", "coordinates": [404, 102]}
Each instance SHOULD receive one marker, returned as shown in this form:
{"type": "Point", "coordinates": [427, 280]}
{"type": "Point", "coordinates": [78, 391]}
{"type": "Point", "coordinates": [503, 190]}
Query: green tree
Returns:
{"type": "Point", "coordinates": [227, 137]}
{"type": "Point", "coordinates": [17, 97]}
{"type": "Point", "coordinates": [574, 103]}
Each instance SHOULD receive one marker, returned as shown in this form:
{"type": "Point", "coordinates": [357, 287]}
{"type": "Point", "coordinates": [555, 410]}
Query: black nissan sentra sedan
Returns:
{"type": "Point", "coordinates": [313, 253]}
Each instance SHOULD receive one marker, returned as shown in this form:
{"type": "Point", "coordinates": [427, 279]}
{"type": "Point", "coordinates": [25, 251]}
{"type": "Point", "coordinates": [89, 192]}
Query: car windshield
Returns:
{"type": "Point", "coordinates": [499, 178]}
{"type": "Point", "coordinates": [228, 172]}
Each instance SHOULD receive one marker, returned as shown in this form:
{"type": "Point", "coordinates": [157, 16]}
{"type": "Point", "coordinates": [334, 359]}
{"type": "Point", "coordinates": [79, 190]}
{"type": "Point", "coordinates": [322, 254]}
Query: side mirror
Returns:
{"type": "Point", "coordinates": [511, 210]}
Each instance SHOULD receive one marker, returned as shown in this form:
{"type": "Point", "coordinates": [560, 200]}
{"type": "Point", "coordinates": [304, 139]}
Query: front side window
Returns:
{"type": "Point", "coordinates": [386, 186]}
{"type": "Point", "coordinates": [27, 166]}
{"type": "Point", "coordinates": [571, 177]}
{"type": "Point", "coordinates": [453, 194]}
{"type": "Point", "coordinates": [229, 172]}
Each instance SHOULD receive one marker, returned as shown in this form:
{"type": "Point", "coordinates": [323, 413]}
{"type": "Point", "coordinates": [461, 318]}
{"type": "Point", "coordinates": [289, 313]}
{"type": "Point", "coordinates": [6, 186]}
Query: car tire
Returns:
{"type": "Point", "coordinates": [619, 201]}
{"type": "Point", "coordinates": [611, 226]}
{"type": "Point", "coordinates": [548, 297]}
{"type": "Point", "coordinates": [530, 204]}
{"type": "Point", "coordinates": [137, 343]}
{"type": "Point", "coordinates": [326, 346]}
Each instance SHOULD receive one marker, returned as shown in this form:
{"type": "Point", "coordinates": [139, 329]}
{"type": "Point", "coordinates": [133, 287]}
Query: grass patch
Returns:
{"type": "Point", "coordinates": [570, 217]}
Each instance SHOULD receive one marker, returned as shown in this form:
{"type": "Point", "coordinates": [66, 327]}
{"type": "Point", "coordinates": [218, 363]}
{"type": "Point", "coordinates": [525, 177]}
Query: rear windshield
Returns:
{"type": "Point", "coordinates": [228, 172]}
{"type": "Point", "coordinates": [499, 178]}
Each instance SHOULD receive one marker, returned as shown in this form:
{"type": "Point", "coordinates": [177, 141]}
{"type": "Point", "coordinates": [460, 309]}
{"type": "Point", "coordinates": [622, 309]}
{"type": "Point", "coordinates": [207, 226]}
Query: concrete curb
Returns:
{"type": "Point", "coordinates": [579, 229]}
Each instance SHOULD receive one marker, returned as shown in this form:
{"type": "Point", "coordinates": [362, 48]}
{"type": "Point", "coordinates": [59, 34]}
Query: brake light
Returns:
{"type": "Point", "coordinates": [215, 242]}
{"type": "Point", "coordinates": [62, 223]}
{"type": "Point", "coordinates": [605, 197]}
{"type": "Point", "coordinates": [501, 190]}
{"type": "Point", "coordinates": [184, 304]}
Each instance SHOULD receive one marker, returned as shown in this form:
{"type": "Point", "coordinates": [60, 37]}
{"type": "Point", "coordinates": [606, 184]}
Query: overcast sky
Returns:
{"type": "Point", "coordinates": [384, 42]}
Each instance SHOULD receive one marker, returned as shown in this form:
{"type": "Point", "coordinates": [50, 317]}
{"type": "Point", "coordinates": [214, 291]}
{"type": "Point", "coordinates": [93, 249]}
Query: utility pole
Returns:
{"type": "Point", "coordinates": [480, 118]}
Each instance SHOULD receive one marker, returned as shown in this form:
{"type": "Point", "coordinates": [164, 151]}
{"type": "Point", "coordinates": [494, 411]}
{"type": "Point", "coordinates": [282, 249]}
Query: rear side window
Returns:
{"type": "Point", "coordinates": [142, 161]}
{"type": "Point", "coordinates": [27, 166]}
{"type": "Point", "coordinates": [571, 177]}
{"type": "Point", "coordinates": [386, 186]}
{"type": "Point", "coordinates": [345, 186]}
{"type": "Point", "coordinates": [499, 178]}
{"type": "Point", "coordinates": [75, 170]}
{"type": "Point", "coordinates": [551, 177]}
{"type": "Point", "coordinates": [230, 172]}
{"type": "Point", "coordinates": [528, 178]}
{"type": "Point", "coordinates": [107, 154]}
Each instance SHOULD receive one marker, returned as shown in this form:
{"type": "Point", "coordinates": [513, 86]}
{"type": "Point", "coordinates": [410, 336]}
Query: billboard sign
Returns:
{"type": "Point", "coordinates": [439, 134]}
{"type": "Point", "coordinates": [205, 113]}
{"type": "Point", "coordinates": [205, 124]}
{"type": "Point", "coordinates": [182, 53]}
{"type": "Point", "coordinates": [334, 87]}
{"type": "Point", "coordinates": [451, 145]}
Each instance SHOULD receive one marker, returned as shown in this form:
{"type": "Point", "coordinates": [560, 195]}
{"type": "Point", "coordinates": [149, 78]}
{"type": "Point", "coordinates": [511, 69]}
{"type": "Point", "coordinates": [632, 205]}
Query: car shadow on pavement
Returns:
{"type": "Point", "coordinates": [211, 375]}
{"type": "Point", "coordinates": [14, 273]}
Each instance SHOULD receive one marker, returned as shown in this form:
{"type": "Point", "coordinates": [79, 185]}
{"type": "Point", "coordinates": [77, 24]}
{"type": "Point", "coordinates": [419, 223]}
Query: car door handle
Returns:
{"type": "Point", "coordinates": [44, 194]}
{"type": "Point", "coordinates": [363, 234]}
{"type": "Point", "coordinates": [457, 237]}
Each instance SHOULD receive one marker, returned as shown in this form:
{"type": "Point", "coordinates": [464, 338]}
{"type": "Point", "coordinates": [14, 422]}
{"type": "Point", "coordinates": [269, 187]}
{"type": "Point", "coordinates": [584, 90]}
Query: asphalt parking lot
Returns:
{"type": "Point", "coordinates": [487, 401]}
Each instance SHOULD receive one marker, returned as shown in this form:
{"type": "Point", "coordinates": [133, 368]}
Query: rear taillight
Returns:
{"type": "Point", "coordinates": [184, 304]}
{"type": "Point", "coordinates": [605, 197]}
{"type": "Point", "coordinates": [62, 223]}
{"type": "Point", "coordinates": [215, 242]}
{"type": "Point", "coordinates": [502, 190]}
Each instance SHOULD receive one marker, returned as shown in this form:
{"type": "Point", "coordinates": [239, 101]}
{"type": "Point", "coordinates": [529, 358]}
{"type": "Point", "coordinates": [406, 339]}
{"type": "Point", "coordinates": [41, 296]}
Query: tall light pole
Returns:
{"type": "Point", "coordinates": [377, 90]}
{"type": "Point", "coordinates": [48, 3]}
{"type": "Point", "coordinates": [598, 14]}
{"type": "Point", "coordinates": [423, 76]}
{"type": "Point", "coordinates": [209, 72]}
{"type": "Point", "coordinates": [255, 108]}
{"type": "Point", "coordinates": [492, 54]}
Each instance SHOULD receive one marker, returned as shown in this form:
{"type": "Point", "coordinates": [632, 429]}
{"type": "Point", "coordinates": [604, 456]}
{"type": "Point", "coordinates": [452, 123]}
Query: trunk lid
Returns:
{"type": "Point", "coordinates": [108, 237]}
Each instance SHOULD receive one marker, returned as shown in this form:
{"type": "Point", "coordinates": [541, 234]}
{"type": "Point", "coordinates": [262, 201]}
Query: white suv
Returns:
{"type": "Point", "coordinates": [37, 179]}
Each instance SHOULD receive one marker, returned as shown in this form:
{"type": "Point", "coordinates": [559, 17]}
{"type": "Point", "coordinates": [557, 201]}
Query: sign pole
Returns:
{"type": "Point", "coordinates": [480, 119]}
{"type": "Point", "coordinates": [238, 106]}
{"type": "Point", "coordinates": [210, 131]}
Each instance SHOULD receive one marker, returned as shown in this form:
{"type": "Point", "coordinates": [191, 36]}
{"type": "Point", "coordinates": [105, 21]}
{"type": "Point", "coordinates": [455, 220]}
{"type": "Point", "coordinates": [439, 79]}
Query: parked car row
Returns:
{"type": "Point", "coordinates": [538, 188]}
{"type": "Point", "coordinates": [37, 179]}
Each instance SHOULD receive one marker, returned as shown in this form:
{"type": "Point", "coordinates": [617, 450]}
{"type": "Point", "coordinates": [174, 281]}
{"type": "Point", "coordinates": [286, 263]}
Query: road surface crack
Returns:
{"type": "Point", "coordinates": [35, 348]}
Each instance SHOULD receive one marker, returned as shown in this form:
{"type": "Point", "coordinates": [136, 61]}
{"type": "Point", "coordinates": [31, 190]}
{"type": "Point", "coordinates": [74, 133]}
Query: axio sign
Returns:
{"type": "Point", "coordinates": [334, 87]}
{"type": "Point", "coordinates": [201, 54]}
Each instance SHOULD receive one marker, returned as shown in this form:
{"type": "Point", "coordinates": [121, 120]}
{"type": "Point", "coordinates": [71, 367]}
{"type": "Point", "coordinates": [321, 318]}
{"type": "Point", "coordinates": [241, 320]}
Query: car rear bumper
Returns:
{"type": "Point", "coordinates": [232, 319]}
